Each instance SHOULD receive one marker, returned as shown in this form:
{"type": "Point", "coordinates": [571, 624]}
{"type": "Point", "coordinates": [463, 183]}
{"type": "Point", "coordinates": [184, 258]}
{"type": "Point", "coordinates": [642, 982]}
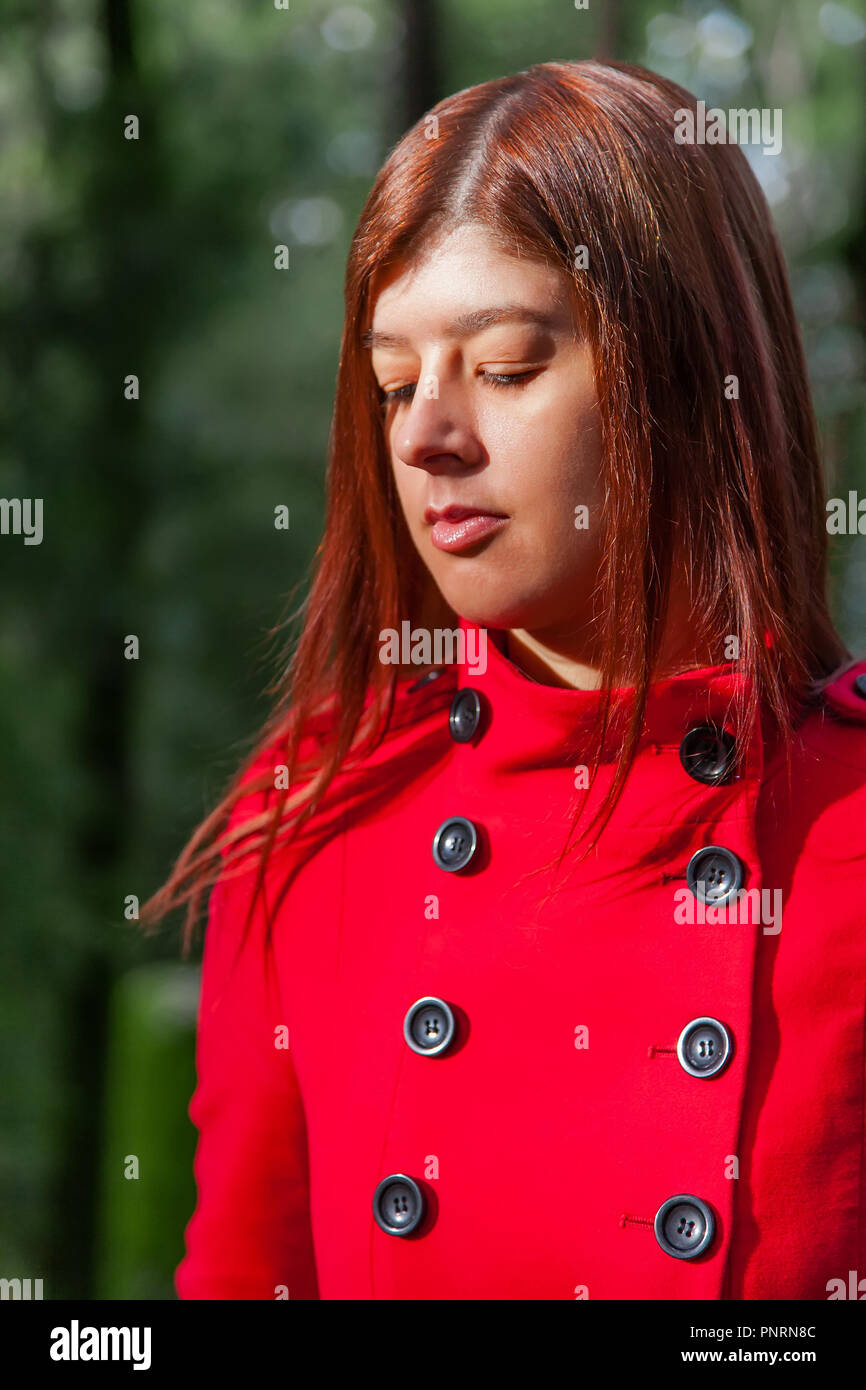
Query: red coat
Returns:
{"type": "Point", "coordinates": [581, 1132]}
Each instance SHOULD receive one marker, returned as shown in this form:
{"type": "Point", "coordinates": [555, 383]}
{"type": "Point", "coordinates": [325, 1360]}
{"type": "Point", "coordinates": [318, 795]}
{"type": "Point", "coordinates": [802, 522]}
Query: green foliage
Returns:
{"type": "Point", "coordinates": [155, 257]}
{"type": "Point", "coordinates": [146, 1187]}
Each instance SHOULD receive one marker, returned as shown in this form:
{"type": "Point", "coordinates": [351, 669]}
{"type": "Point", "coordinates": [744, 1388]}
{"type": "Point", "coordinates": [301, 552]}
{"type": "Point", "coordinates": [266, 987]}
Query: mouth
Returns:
{"type": "Point", "coordinates": [457, 528]}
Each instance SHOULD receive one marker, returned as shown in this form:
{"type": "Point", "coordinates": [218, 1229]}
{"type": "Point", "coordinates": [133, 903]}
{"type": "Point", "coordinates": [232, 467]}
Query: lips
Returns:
{"type": "Point", "coordinates": [455, 513]}
{"type": "Point", "coordinates": [456, 528]}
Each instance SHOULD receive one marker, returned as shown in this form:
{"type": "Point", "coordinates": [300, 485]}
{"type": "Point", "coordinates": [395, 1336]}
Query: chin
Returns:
{"type": "Point", "coordinates": [503, 612]}
{"type": "Point", "coordinates": [499, 593]}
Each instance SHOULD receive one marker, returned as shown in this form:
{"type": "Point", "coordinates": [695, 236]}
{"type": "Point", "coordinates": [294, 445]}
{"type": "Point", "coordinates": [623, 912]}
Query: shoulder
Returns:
{"type": "Point", "coordinates": [816, 802]}
{"type": "Point", "coordinates": [812, 803]}
{"type": "Point", "coordinates": [394, 742]}
{"type": "Point", "coordinates": [835, 727]}
{"type": "Point", "coordinates": [845, 691]}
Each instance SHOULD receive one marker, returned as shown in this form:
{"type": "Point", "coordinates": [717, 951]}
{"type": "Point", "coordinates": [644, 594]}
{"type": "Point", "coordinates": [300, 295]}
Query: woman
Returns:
{"type": "Point", "coordinates": [535, 967]}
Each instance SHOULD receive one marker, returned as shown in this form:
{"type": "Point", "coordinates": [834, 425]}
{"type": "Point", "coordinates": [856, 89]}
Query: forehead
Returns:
{"type": "Point", "coordinates": [457, 282]}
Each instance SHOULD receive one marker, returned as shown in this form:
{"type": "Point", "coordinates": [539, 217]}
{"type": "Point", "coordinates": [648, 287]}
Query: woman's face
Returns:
{"type": "Point", "coordinates": [492, 427]}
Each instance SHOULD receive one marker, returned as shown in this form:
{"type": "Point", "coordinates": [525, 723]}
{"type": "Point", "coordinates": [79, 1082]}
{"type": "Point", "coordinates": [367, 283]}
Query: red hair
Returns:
{"type": "Point", "coordinates": [684, 287]}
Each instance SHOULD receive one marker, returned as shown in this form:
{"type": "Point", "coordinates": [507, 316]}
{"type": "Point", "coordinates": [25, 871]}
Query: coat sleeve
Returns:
{"type": "Point", "coordinates": [249, 1236]}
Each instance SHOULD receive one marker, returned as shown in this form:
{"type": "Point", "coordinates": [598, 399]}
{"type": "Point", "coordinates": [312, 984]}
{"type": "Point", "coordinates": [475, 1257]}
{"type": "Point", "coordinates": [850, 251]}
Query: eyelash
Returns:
{"type": "Point", "coordinates": [492, 378]}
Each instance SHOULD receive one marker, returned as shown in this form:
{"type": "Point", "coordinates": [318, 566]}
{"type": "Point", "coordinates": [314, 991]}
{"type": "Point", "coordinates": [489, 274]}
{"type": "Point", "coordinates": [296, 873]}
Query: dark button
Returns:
{"type": "Point", "coordinates": [465, 714]}
{"type": "Point", "coordinates": [684, 1226]}
{"type": "Point", "coordinates": [425, 680]}
{"type": "Point", "coordinates": [708, 754]}
{"type": "Point", "coordinates": [720, 872]}
{"type": "Point", "coordinates": [454, 843]}
{"type": "Point", "coordinates": [428, 1026]}
{"type": "Point", "coordinates": [860, 686]}
{"type": "Point", "coordinates": [704, 1047]}
{"type": "Point", "coordinates": [398, 1204]}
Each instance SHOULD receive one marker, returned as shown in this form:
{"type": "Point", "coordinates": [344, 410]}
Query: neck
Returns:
{"type": "Point", "coordinates": [547, 664]}
{"type": "Point", "coordinates": [554, 658]}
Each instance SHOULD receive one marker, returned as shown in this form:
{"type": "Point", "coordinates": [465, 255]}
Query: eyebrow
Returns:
{"type": "Point", "coordinates": [474, 322]}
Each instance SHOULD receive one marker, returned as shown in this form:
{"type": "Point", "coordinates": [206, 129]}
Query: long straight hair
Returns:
{"type": "Point", "coordinates": [708, 434]}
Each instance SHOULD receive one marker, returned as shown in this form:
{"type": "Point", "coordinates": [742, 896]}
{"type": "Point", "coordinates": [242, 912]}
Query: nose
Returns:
{"type": "Point", "coordinates": [437, 431]}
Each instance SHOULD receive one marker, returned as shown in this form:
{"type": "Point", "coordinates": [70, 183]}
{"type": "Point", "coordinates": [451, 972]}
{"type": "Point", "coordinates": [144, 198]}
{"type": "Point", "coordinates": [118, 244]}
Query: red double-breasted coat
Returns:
{"type": "Point", "coordinates": [616, 1090]}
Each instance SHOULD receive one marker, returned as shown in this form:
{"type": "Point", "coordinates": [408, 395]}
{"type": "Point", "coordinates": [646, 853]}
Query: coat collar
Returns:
{"type": "Point", "coordinates": [527, 724]}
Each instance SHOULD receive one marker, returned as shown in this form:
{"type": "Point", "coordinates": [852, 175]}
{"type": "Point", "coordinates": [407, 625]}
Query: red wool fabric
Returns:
{"type": "Point", "coordinates": [548, 1135]}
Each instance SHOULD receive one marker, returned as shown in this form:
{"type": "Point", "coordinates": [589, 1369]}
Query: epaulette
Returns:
{"type": "Point", "coordinates": [846, 693]}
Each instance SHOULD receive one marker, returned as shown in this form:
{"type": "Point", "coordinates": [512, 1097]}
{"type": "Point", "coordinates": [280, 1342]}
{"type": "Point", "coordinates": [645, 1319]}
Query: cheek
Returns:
{"type": "Point", "coordinates": [556, 493]}
{"type": "Point", "coordinates": [551, 440]}
{"type": "Point", "coordinates": [559, 474]}
{"type": "Point", "coordinates": [409, 483]}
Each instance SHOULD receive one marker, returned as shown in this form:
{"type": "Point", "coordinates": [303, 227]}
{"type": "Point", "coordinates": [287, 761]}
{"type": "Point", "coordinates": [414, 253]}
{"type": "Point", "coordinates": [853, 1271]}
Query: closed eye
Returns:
{"type": "Point", "coordinates": [506, 379]}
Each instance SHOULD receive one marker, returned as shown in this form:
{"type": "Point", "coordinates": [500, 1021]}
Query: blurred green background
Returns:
{"type": "Point", "coordinates": [155, 257]}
